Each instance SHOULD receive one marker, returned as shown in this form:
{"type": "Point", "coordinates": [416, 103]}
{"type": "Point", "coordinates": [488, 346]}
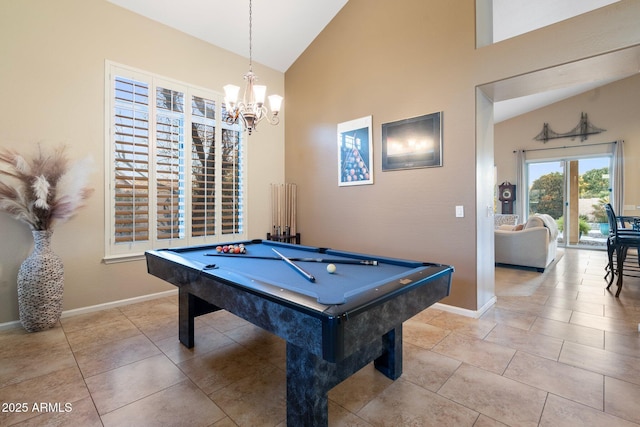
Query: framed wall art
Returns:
{"type": "Point", "coordinates": [412, 143]}
{"type": "Point", "coordinates": [355, 152]}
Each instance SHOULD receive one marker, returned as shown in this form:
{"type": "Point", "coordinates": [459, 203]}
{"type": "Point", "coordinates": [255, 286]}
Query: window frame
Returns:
{"type": "Point", "coordinates": [125, 251]}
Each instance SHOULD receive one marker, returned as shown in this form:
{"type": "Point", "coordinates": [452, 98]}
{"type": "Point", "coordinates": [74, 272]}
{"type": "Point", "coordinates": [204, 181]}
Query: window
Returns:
{"type": "Point", "coordinates": [176, 170]}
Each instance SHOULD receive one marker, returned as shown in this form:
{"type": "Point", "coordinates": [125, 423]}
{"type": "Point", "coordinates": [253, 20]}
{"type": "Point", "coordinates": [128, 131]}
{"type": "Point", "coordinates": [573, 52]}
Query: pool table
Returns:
{"type": "Point", "coordinates": [333, 323]}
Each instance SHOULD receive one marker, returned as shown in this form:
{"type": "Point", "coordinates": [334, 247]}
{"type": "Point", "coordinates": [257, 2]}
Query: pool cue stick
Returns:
{"type": "Point", "coordinates": [296, 267]}
{"type": "Point", "coordinates": [372, 262]}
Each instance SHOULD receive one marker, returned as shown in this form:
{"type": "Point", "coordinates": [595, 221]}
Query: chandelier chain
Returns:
{"type": "Point", "coordinates": [250, 37]}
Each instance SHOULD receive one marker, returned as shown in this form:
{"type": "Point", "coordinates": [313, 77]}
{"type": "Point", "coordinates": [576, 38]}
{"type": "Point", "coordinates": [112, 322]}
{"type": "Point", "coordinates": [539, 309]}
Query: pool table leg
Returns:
{"type": "Point", "coordinates": [186, 316]}
{"type": "Point", "coordinates": [189, 307]}
{"type": "Point", "coordinates": [310, 377]}
{"type": "Point", "coordinates": [390, 363]}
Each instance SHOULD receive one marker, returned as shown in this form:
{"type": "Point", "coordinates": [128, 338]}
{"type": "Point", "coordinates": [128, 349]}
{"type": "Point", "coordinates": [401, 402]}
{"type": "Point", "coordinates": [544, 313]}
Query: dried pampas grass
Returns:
{"type": "Point", "coordinates": [43, 190]}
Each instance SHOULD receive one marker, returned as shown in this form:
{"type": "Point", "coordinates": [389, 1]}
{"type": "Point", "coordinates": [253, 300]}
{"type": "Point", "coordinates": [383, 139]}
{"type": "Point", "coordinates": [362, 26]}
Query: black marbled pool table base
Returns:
{"type": "Point", "coordinates": [322, 350]}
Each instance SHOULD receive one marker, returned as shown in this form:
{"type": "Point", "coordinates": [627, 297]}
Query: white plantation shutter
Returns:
{"type": "Point", "coordinates": [169, 164]}
{"type": "Point", "coordinates": [231, 194]}
{"type": "Point", "coordinates": [177, 174]}
{"type": "Point", "coordinates": [203, 170]}
{"type": "Point", "coordinates": [131, 161]}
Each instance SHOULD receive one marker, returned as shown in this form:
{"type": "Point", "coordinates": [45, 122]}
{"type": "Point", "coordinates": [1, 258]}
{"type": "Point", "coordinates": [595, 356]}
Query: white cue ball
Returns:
{"type": "Point", "coordinates": [331, 268]}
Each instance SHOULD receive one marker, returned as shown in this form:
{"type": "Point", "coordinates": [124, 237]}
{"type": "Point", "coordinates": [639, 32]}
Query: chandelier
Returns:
{"type": "Point", "coordinates": [251, 109]}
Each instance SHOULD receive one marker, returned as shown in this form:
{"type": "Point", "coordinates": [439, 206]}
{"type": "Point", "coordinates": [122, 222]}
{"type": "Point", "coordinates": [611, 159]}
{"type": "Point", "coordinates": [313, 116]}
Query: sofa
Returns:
{"type": "Point", "coordinates": [532, 244]}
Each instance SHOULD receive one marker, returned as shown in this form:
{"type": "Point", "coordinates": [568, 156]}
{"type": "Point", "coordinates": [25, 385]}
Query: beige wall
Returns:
{"type": "Point", "coordinates": [391, 60]}
{"type": "Point", "coordinates": [614, 107]}
{"type": "Point", "coordinates": [401, 59]}
{"type": "Point", "coordinates": [52, 66]}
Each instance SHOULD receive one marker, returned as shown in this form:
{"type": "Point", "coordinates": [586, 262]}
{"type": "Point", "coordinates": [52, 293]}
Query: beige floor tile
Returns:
{"type": "Point", "coordinates": [620, 326]}
{"type": "Point", "coordinates": [259, 400]}
{"type": "Point", "coordinates": [509, 318]}
{"type": "Point", "coordinates": [340, 417]}
{"type": "Point", "coordinates": [426, 368]}
{"type": "Point", "coordinates": [182, 404]}
{"type": "Point", "coordinates": [559, 291]}
{"type": "Point", "coordinates": [102, 333]}
{"type": "Point", "coordinates": [560, 412]}
{"type": "Point", "coordinates": [621, 399]}
{"type": "Point", "coordinates": [555, 313]}
{"type": "Point", "coordinates": [427, 314]}
{"type": "Point", "coordinates": [422, 334]}
{"type": "Point", "coordinates": [33, 359]}
{"type": "Point", "coordinates": [162, 328]}
{"type": "Point", "coordinates": [223, 321]}
{"type": "Point", "coordinates": [119, 387]}
{"type": "Point", "coordinates": [80, 413]}
{"type": "Point", "coordinates": [573, 383]}
{"type": "Point", "coordinates": [61, 386]}
{"type": "Point", "coordinates": [622, 344]}
{"type": "Point", "coordinates": [18, 342]}
{"type": "Point", "coordinates": [148, 315]}
{"type": "Point", "coordinates": [149, 311]}
{"type": "Point", "coordinates": [97, 358]}
{"type": "Point", "coordinates": [222, 366]}
{"type": "Point", "coordinates": [206, 339]}
{"type": "Point", "coordinates": [497, 397]}
{"type": "Point", "coordinates": [520, 304]}
{"type": "Point", "coordinates": [611, 364]}
{"type": "Point", "coordinates": [575, 305]}
{"type": "Point", "coordinates": [252, 337]}
{"type": "Point", "coordinates": [623, 311]}
{"type": "Point", "coordinates": [531, 342]}
{"type": "Point", "coordinates": [463, 325]}
{"type": "Point", "coordinates": [483, 354]}
{"type": "Point", "coordinates": [569, 332]}
{"type": "Point", "coordinates": [405, 404]}
{"type": "Point", "coordinates": [358, 390]}
{"type": "Point", "coordinates": [82, 321]}
{"type": "Point", "coordinates": [484, 421]}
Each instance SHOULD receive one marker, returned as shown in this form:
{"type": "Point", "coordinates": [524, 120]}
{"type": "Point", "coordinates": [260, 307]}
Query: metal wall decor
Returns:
{"type": "Point", "coordinates": [582, 129]}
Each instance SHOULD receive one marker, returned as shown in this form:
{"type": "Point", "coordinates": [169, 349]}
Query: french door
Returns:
{"type": "Point", "coordinates": [572, 191]}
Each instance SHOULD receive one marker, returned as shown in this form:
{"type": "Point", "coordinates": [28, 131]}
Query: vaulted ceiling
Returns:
{"type": "Point", "coordinates": [282, 30]}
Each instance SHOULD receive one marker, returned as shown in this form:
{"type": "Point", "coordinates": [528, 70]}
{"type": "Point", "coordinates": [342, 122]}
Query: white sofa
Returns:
{"type": "Point", "coordinates": [533, 244]}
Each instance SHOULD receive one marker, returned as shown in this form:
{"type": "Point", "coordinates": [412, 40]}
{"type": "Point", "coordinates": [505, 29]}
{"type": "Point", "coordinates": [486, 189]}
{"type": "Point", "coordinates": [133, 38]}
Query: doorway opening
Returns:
{"type": "Point", "coordinates": [573, 192]}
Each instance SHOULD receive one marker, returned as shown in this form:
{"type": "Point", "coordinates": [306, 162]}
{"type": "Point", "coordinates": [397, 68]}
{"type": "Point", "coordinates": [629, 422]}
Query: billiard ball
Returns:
{"type": "Point", "coordinates": [331, 268]}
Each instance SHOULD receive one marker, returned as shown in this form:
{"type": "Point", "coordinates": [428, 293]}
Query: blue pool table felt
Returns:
{"type": "Point", "coordinates": [348, 280]}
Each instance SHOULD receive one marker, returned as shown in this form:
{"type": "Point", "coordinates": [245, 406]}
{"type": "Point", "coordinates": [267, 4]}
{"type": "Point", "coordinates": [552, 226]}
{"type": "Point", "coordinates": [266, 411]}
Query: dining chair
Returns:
{"type": "Point", "coordinates": [618, 243]}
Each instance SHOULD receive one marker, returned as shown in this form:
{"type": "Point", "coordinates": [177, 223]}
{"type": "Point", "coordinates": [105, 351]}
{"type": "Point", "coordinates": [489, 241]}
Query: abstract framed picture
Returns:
{"type": "Point", "coordinates": [412, 143]}
{"type": "Point", "coordinates": [355, 152]}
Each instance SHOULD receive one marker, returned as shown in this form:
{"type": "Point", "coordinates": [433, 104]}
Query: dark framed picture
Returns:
{"type": "Point", "coordinates": [355, 152]}
{"type": "Point", "coordinates": [412, 143]}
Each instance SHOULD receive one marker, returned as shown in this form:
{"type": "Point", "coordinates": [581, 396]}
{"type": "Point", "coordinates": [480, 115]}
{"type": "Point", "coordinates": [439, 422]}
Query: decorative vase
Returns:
{"type": "Point", "coordinates": [40, 285]}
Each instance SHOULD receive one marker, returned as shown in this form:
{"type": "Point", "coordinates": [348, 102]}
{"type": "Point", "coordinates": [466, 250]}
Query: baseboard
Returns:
{"type": "Point", "coordinates": [476, 314]}
{"type": "Point", "coordinates": [120, 303]}
{"type": "Point", "coordinates": [99, 307]}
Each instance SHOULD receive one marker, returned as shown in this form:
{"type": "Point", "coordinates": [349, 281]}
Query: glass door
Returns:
{"type": "Point", "coordinates": [573, 192]}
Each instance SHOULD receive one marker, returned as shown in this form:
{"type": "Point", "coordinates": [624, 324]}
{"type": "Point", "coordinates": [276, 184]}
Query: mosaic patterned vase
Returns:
{"type": "Point", "coordinates": [40, 285]}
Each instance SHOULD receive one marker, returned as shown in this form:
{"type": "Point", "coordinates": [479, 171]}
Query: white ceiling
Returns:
{"type": "Point", "coordinates": [282, 30]}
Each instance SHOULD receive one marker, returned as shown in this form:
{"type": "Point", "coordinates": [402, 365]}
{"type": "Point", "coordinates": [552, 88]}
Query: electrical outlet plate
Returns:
{"type": "Point", "coordinates": [459, 211]}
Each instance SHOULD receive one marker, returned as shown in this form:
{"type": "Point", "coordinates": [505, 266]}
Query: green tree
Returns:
{"type": "Point", "coordinates": [594, 183]}
{"type": "Point", "coordinates": [545, 195]}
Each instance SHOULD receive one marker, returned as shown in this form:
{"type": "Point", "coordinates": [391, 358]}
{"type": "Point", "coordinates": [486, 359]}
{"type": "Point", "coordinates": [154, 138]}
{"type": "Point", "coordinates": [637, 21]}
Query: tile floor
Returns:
{"type": "Point", "coordinates": [555, 350]}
